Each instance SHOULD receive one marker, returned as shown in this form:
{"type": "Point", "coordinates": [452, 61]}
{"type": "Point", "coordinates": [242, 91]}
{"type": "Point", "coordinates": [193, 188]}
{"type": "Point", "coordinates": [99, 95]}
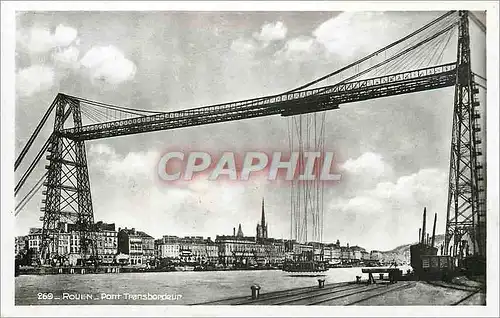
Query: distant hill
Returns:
{"type": "Point", "coordinates": [402, 253]}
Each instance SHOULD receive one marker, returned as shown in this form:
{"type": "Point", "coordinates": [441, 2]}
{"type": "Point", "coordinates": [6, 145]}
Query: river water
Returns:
{"type": "Point", "coordinates": [165, 288]}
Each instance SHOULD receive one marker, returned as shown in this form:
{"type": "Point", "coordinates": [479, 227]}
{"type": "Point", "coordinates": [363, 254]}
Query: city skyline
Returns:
{"type": "Point", "coordinates": [240, 232]}
{"type": "Point", "coordinates": [384, 174]}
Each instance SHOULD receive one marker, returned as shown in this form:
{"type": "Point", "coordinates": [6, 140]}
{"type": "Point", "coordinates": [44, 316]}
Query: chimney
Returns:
{"type": "Point", "coordinates": [423, 226]}
{"type": "Point", "coordinates": [428, 239]}
{"type": "Point", "coordinates": [419, 234]}
{"type": "Point", "coordinates": [234, 231]}
{"type": "Point", "coordinates": [434, 230]}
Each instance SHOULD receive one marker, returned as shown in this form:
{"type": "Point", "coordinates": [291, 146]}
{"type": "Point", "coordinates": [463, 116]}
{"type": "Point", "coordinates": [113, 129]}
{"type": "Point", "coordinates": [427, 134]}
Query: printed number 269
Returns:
{"type": "Point", "coordinates": [45, 296]}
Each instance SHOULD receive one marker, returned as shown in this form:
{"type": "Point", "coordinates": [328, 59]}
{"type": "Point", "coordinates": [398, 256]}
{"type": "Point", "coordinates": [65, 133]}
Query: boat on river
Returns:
{"type": "Point", "coordinates": [305, 262]}
{"type": "Point", "coordinates": [184, 268]}
{"type": "Point", "coordinates": [305, 267]}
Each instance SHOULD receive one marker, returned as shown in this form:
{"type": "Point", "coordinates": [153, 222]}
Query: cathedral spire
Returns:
{"type": "Point", "coordinates": [263, 220]}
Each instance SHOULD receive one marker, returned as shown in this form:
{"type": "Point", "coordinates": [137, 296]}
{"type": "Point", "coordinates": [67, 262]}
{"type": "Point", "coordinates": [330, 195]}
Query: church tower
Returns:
{"type": "Point", "coordinates": [263, 222]}
{"type": "Point", "coordinates": [262, 227]}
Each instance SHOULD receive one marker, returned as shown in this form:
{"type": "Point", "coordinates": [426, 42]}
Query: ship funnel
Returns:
{"type": "Point", "coordinates": [434, 229]}
{"type": "Point", "coordinates": [423, 227]}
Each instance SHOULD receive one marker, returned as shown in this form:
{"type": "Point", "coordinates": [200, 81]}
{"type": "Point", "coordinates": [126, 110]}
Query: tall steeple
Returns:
{"type": "Point", "coordinates": [263, 218]}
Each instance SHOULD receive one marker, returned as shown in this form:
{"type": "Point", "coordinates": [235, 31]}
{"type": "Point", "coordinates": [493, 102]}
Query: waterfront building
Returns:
{"type": "Point", "coordinates": [107, 242]}
{"type": "Point", "coordinates": [20, 245]}
{"type": "Point", "coordinates": [332, 253]}
{"type": "Point", "coordinates": [148, 248]}
{"type": "Point", "coordinates": [212, 252]}
{"type": "Point", "coordinates": [365, 256]}
{"type": "Point", "coordinates": [187, 249]}
{"type": "Point", "coordinates": [168, 247]}
{"type": "Point", "coordinates": [336, 252]}
{"type": "Point", "coordinates": [34, 244]}
{"type": "Point", "coordinates": [237, 249]}
{"type": "Point", "coordinates": [356, 252]}
{"type": "Point", "coordinates": [345, 254]}
{"type": "Point", "coordinates": [138, 245]}
{"type": "Point", "coordinates": [327, 253]}
{"type": "Point", "coordinates": [193, 249]}
{"type": "Point", "coordinates": [274, 251]}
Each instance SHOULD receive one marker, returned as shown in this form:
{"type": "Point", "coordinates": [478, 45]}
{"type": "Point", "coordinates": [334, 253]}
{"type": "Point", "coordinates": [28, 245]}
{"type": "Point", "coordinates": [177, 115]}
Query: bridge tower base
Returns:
{"type": "Point", "coordinates": [68, 217]}
{"type": "Point", "coordinates": [465, 234]}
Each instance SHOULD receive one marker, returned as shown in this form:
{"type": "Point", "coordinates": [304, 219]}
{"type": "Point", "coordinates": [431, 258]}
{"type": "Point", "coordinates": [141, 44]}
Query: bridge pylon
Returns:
{"type": "Point", "coordinates": [466, 212]}
{"type": "Point", "coordinates": [68, 213]}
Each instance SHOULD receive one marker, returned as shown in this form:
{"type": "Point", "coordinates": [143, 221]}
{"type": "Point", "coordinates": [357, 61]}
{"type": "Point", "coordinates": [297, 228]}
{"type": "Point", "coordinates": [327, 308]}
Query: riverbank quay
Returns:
{"type": "Point", "coordinates": [67, 270]}
{"type": "Point", "coordinates": [117, 269]}
{"type": "Point", "coordinates": [30, 270]}
{"type": "Point", "coordinates": [383, 293]}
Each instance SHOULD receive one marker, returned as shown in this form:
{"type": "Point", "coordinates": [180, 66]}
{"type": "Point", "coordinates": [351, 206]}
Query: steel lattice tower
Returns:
{"type": "Point", "coordinates": [466, 212]}
{"type": "Point", "coordinates": [67, 193]}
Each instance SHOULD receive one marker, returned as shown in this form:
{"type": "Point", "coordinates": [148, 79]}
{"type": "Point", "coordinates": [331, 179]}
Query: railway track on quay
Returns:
{"type": "Point", "coordinates": [464, 300]}
{"type": "Point", "coordinates": [340, 294]}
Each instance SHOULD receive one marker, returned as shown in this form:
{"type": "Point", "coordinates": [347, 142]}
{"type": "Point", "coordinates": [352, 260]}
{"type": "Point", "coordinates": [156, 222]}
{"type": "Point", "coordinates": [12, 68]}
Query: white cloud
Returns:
{"type": "Point", "coordinates": [108, 64]}
{"type": "Point", "coordinates": [300, 44]}
{"type": "Point", "coordinates": [391, 211]}
{"type": "Point", "coordinates": [368, 164]}
{"type": "Point", "coordinates": [244, 46]}
{"type": "Point", "coordinates": [38, 40]}
{"type": "Point", "coordinates": [271, 32]}
{"type": "Point", "coordinates": [64, 35]}
{"type": "Point", "coordinates": [133, 164]}
{"type": "Point", "coordinates": [353, 33]}
{"type": "Point", "coordinates": [33, 79]}
{"type": "Point", "coordinates": [67, 57]}
{"type": "Point", "coordinates": [303, 48]}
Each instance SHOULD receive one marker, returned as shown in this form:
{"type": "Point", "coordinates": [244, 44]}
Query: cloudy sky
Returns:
{"type": "Point", "coordinates": [393, 152]}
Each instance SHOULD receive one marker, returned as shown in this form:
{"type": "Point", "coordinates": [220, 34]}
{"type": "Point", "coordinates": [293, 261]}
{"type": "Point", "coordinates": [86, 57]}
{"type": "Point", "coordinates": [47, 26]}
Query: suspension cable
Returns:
{"type": "Point", "coordinates": [33, 164]}
{"type": "Point", "coordinates": [374, 53]}
{"type": "Point", "coordinates": [113, 108]}
{"type": "Point", "coordinates": [121, 108]}
{"type": "Point", "coordinates": [393, 57]}
{"type": "Point", "coordinates": [30, 194]}
{"type": "Point", "coordinates": [480, 85]}
{"type": "Point", "coordinates": [481, 77]}
{"type": "Point", "coordinates": [478, 22]}
{"type": "Point", "coordinates": [23, 152]}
